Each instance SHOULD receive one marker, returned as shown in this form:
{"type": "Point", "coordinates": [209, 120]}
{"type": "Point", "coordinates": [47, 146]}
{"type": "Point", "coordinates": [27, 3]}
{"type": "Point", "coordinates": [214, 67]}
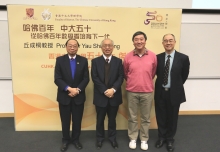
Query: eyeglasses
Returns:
{"type": "Point", "coordinates": [170, 41]}
{"type": "Point", "coordinates": [107, 45]}
{"type": "Point", "coordinates": [72, 46]}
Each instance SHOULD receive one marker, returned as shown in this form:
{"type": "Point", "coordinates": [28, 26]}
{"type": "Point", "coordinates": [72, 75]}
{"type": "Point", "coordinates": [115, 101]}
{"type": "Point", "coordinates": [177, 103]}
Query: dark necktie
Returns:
{"type": "Point", "coordinates": [166, 71]}
{"type": "Point", "coordinates": [106, 72]}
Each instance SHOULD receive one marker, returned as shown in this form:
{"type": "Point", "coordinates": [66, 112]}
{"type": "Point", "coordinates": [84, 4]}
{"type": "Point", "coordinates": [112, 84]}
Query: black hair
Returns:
{"type": "Point", "coordinates": [139, 33]}
{"type": "Point", "coordinates": [72, 39]}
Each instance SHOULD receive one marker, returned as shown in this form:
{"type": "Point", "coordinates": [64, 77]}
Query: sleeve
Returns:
{"type": "Point", "coordinates": [117, 84]}
{"type": "Point", "coordinates": [185, 70]}
{"type": "Point", "coordinates": [125, 67]}
{"type": "Point", "coordinates": [58, 76]}
{"type": "Point", "coordinates": [154, 67]}
{"type": "Point", "coordinates": [82, 85]}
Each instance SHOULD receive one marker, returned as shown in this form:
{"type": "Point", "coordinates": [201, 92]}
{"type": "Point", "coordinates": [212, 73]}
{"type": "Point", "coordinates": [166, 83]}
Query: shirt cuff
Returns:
{"type": "Point", "coordinates": [66, 88]}
{"type": "Point", "coordinates": [114, 90]}
{"type": "Point", "coordinates": [79, 89]}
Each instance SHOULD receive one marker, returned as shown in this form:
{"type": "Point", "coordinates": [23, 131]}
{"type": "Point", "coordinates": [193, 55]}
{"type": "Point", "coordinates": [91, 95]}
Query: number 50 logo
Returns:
{"type": "Point", "coordinates": [153, 16]}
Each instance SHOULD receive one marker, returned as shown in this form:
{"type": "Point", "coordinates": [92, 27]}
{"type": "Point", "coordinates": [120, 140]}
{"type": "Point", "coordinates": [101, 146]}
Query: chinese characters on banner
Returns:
{"type": "Point", "coordinates": [38, 35]}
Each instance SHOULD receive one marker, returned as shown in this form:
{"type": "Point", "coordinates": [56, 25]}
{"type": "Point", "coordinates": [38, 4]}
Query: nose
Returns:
{"type": "Point", "coordinates": [139, 41]}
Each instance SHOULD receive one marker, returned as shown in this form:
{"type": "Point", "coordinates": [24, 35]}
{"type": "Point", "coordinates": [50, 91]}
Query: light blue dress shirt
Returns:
{"type": "Point", "coordinates": [171, 63]}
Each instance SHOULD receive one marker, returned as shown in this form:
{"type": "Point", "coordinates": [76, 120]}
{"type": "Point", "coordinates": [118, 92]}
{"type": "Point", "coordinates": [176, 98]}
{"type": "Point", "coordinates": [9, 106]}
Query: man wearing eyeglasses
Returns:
{"type": "Point", "coordinates": [107, 76]}
{"type": "Point", "coordinates": [172, 72]}
{"type": "Point", "coordinates": [71, 77]}
{"type": "Point", "coordinates": [139, 68]}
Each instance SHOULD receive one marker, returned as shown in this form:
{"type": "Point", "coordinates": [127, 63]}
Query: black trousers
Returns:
{"type": "Point", "coordinates": [66, 112]}
{"type": "Point", "coordinates": [111, 112]}
{"type": "Point", "coordinates": [167, 117]}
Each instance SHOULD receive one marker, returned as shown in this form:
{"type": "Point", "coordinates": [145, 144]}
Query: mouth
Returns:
{"type": "Point", "coordinates": [72, 51]}
{"type": "Point", "coordinates": [139, 45]}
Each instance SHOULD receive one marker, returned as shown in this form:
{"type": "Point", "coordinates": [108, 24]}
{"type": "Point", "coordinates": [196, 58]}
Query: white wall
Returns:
{"type": "Point", "coordinates": [6, 97]}
{"type": "Point", "coordinates": [201, 94]}
{"type": "Point", "coordinates": [6, 92]}
{"type": "Point", "coordinates": [212, 4]}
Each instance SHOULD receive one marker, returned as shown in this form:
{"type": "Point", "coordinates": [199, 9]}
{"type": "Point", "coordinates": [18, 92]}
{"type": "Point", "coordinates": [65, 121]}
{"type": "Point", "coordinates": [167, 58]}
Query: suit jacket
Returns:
{"type": "Point", "coordinates": [179, 73]}
{"type": "Point", "coordinates": [115, 81]}
{"type": "Point", "coordinates": [63, 78]}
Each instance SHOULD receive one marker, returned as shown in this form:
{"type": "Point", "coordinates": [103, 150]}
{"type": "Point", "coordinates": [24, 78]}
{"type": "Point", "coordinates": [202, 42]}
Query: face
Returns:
{"type": "Point", "coordinates": [139, 42]}
{"type": "Point", "coordinates": [169, 43]}
{"type": "Point", "coordinates": [72, 47]}
{"type": "Point", "coordinates": [107, 47]}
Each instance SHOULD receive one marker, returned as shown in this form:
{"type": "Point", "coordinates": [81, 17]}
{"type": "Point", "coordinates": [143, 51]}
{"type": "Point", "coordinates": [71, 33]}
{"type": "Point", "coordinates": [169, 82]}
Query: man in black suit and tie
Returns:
{"type": "Point", "coordinates": [107, 76]}
{"type": "Point", "coordinates": [71, 77]}
{"type": "Point", "coordinates": [172, 72]}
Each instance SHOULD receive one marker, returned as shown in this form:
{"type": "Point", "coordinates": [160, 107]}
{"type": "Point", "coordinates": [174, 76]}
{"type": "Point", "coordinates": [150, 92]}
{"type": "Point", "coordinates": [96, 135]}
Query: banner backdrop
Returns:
{"type": "Point", "coordinates": [38, 35]}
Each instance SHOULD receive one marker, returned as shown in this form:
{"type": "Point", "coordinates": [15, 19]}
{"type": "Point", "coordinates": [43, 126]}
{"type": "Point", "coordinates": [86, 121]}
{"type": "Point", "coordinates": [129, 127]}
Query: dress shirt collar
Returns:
{"type": "Point", "coordinates": [171, 54]}
{"type": "Point", "coordinates": [145, 53]}
{"type": "Point", "coordinates": [72, 57]}
{"type": "Point", "coordinates": [108, 58]}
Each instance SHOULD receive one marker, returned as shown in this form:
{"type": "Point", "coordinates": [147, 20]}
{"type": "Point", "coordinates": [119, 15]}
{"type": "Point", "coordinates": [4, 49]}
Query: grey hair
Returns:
{"type": "Point", "coordinates": [169, 34]}
{"type": "Point", "coordinates": [107, 39]}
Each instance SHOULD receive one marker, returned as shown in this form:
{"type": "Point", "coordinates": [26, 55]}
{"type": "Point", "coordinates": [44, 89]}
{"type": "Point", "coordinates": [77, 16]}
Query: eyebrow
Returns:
{"type": "Point", "coordinates": [168, 39]}
{"type": "Point", "coordinates": [139, 38]}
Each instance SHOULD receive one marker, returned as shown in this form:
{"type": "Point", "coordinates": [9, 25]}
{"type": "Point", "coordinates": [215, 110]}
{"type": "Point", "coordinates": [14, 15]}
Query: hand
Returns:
{"type": "Point", "coordinates": [73, 91]}
{"type": "Point", "coordinates": [109, 93]}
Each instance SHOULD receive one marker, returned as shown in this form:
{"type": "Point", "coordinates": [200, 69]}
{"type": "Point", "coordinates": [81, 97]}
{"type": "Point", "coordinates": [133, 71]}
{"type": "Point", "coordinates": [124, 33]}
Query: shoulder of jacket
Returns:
{"type": "Point", "coordinates": [161, 54]}
{"type": "Point", "coordinates": [181, 54]}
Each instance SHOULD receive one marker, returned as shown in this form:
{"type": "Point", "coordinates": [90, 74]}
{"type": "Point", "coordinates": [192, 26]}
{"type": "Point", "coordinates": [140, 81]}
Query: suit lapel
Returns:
{"type": "Point", "coordinates": [77, 64]}
{"type": "Point", "coordinates": [67, 65]}
{"type": "Point", "coordinates": [112, 67]}
{"type": "Point", "coordinates": [176, 59]}
{"type": "Point", "coordinates": [101, 66]}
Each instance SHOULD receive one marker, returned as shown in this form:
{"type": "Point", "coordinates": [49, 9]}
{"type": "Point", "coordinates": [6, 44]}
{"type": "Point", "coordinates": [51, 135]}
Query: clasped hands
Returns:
{"type": "Point", "coordinates": [109, 93]}
{"type": "Point", "coordinates": [73, 91]}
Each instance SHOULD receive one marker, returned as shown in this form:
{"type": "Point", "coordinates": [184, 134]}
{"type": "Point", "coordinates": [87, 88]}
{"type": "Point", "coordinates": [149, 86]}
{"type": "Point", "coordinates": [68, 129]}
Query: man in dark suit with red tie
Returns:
{"type": "Point", "coordinates": [71, 77]}
{"type": "Point", "coordinates": [107, 76]}
{"type": "Point", "coordinates": [172, 72]}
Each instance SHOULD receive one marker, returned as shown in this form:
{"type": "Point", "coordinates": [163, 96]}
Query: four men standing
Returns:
{"type": "Point", "coordinates": [140, 66]}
